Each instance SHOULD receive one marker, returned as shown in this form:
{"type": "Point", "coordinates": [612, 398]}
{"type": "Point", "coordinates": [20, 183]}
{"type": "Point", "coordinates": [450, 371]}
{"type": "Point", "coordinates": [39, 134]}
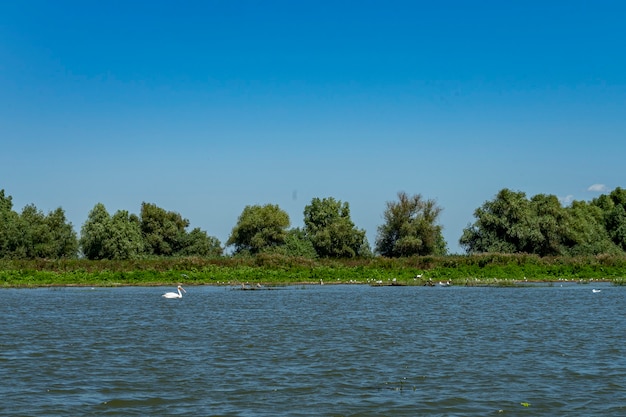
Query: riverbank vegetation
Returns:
{"type": "Point", "coordinates": [514, 239]}
{"type": "Point", "coordinates": [273, 269]}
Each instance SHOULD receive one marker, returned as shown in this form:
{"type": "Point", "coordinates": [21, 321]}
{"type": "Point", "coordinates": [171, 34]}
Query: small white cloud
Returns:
{"type": "Point", "coordinates": [567, 199]}
{"type": "Point", "coordinates": [598, 188]}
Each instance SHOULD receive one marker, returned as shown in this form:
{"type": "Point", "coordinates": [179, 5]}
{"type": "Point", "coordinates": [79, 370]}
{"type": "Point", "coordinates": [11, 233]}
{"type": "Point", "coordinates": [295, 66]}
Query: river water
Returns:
{"type": "Point", "coordinates": [331, 350]}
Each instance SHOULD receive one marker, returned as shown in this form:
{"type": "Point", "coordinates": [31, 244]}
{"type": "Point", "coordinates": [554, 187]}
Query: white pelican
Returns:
{"type": "Point", "coordinates": [175, 294]}
{"type": "Point", "coordinates": [594, 290]}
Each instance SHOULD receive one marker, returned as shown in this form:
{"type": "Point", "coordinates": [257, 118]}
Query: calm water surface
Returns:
{"type": "Point", "coordinates": [316, 350]}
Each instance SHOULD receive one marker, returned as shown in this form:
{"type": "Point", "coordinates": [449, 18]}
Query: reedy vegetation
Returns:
{"type": "Point", "coordinates": [274, 269]}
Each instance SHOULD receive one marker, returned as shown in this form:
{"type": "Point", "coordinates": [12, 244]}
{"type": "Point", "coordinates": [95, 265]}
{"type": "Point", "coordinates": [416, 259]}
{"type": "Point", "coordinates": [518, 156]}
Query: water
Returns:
{"type": "Point", "coordinates": [315, 350]}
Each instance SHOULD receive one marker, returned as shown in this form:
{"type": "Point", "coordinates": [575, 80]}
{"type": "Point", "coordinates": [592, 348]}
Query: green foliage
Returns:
{"type": "Point", "coordinates": [94, 233]}
{"type": "Point", "coordinates": [511, 223]}
{"type": "Point", "coordinates": [410, 228]}
{"type": "Point", "coordinates": [328, 225]}
{"type": "Point", "coordinates": [614, 210]}
{"type": "Point", "coordinates": [106, 237]}
{"type": "Point", "coordinates": [163, 231]}
{"type": "Point", "coordinates": [586, 233]}
{"type": "Point", "coordinates": [199, 243]}
{"type": "Point", "coordinates": [259, 228]}
{"type": "Point", "coordinates": [64, 241]}
{"type": "Point", "coordinates": [32, 234]}
{"type": "Point", "coordinates": [125, 240]}
{"type": "Point", "coordinates": [157, 233]}
{"type": "Point", "coordinates": [297, 244]}
{"type": "Point", "coordinates": [501, 225]}
{"type": "Point", "coordinates": [45, 236]}
{"type": "Point", "coordinates": [277, 269]}
{"type": "Point", "coordinates": [9, 229]}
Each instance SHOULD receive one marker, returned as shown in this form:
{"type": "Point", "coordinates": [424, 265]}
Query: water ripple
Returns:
{"type": "Point", "coordinates": [301, 351]}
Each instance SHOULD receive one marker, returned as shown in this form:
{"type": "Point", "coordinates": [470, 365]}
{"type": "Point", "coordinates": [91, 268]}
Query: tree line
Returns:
{"type": "Point", "coordinates": [510, 223]}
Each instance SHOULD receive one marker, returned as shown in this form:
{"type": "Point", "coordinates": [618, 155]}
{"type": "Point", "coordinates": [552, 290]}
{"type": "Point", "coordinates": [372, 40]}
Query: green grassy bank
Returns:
{"type": "Point", "coordinates": [488, 269]}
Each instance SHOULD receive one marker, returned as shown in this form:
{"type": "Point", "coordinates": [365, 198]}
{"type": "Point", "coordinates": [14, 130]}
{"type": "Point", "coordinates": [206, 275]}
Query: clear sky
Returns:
{"type": "Point", "coordinates": [204, 107]}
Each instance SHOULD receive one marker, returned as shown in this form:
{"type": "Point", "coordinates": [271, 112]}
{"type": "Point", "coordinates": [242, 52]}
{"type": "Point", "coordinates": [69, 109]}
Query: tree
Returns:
{"type": "Point", "coordinates": [95, 232]}
{"type": "Point", "coordinates": [259, 228]}
{"type": "Point", "coordinates": [123, 238]}
{"type": "Point", "coordinates": [502, 225]}
{"type": "Point", "coordinates": [614, 208]}
{"type": "Point", "coordinates": [410, 228]}
{"type": "Point", "coordinates": [198, 243]}
{"type": "Point", "coordinates": [45, 236]}
{"type": "Point", "coordinates": [512, 223]}
{"type": "Point", "coordinates": [328, 225]}
{"type": "Point", "coordinates": [106, 237]}
{"type": "Point", "coordinates": [586, 233]}
{"type": "Point", "coordinates": [63, 235]}
{"type": "Point", "coordinates": [547, 227]}
{"type": "Point", "coordinates": [297, 244]}
{"type": "Point", "coordinates": [9, 227]}
{"type": "Point", "coordinates": [32, 234]}
{"type": "Point", "coordinates": [164, 231]}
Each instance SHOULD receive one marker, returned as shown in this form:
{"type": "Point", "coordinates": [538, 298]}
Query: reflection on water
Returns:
{"type": "Point", "coordinates": [314, 350]}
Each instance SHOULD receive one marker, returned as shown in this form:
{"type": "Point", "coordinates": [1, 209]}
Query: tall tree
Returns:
{"type": "Point", "coordinates": [111, 237]}
{"type": "Point", "coordinates": [9, 226]}
{"type": "Point", "coordinates": [328, 225]}
{"type": "Point", "coordinates": [512, 223]}
{"type": "Point", "coordinates": [585, 233]}
{"type": "Point", "coordinates": [614, 207]}
{"type": "Point", "coordinates": [164, 231]}
{"type": "Point", "coordinates": [297, 244]}
{"type": "Point", "coordinates": [259, 228]}
{"type": "Point", "coordinates": [502, 225]}
{"type": "Point", "coordinates": [32, 234]}
{"type": "Point", "coordinates": [45, 236]}
{"type": "Point", "coordinates": [410, 228]}
{"type": "Point", "coordinates": [546, 227]}
{"type": "Point", "coordinates": [199, 243]}
{"type": "Point", "coordinates": [63, 235]}
{"type": "Point", "coordinates": [95, 233]}
{"type": "Point", "coordinates": [124, 239]}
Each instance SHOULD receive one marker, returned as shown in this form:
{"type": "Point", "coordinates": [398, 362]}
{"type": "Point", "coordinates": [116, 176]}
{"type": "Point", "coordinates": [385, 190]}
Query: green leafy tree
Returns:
{"type": "Point", "coordinates": [64, 238]}
{"type": "Point", "coordinates": [328, 225]}
{"type": "Point", "coordinates": [586, 233]}
{"type": "Point", "coordinates": [503, 225]}
{"type": "Point", "coordinates": [296, 245]}
{"type": "Point", "coordinates": [511, 223]}
{"type": "Point", "coordinates": [95, 233]}
{"type": "Point", "coordinates": [546, 227]}
{"type": "Point", "coordinates": [32, 234]}
{"type": "Point", "coordinates": [410, 228]}
{"type": "Point", "coordinates": [123, 238]}
{"type": "Point", "coordinates": [45, 236]}
{"type": "Point", "coordinates": [9, 226]}
{"type": "Point", "coordinates": [259, 228]}
{"type": "Point", "coordinates": [199, 243]}
{"type": "Point", "coordinates": [614, 208]}
{"type": "Point", "coordinates": [106, 237]}
{"type": "Point", "coordinates": [164, 231]}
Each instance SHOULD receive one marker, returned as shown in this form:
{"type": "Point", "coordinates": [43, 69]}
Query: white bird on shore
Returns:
{"type": "Point", "coordinates": [175, 294]}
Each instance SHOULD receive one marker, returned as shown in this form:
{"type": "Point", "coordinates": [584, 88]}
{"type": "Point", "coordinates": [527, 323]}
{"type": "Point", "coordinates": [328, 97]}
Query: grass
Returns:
{"type": "Point", "coordinates": [488, 269]}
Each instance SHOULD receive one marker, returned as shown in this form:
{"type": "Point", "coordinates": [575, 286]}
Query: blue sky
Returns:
{"type": "Point", "coordinates": [204, 107]}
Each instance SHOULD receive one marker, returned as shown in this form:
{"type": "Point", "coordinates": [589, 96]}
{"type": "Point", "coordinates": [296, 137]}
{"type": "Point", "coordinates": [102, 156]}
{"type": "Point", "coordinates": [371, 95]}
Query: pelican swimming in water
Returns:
{"type": "Point", "coordinates": [175, 294]}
